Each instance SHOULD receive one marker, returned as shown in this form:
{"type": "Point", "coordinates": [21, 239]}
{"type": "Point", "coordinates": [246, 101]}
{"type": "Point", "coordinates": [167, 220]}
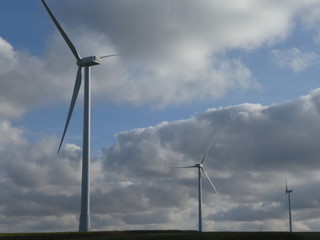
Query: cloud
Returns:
{"type": "Point", "coordinates": [252, 146]}
{"type": "Point", "coordinates": [310, 21]}
{"type": "Point", "coordinates": [251, 212]}
{"type": "Point", "coordinates": [31, 181]}
{"type": "Point", "coordinates": [209, 25]}
{"type": "Point", "coordinates": [177, 51]}
{"type": "Point", "coordinates": [134, 187]}
{"type": "Point", "coordinates": [28, 82]}
{"type": "Point", "coordinates": [295, 59]}
{"type": "Point", "coordinates": [179, 54]}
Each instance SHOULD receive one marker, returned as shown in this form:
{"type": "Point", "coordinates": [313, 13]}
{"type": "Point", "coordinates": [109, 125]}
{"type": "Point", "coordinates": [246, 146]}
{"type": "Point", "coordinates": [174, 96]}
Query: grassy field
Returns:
{"type": "Point", "coordinates": [165, 235]}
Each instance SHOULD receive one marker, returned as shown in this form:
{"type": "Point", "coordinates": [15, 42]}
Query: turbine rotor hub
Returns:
{"type": "Point", "coordinates": [198, 165]}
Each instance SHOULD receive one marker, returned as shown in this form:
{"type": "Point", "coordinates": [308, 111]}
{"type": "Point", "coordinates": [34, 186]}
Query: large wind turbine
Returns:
{"type": "Point", "coordinates": [86, 63]}
{"type": "Point", "coordinates": [201, 168]}
{"type": "Point", "coordinates": [288, 192]}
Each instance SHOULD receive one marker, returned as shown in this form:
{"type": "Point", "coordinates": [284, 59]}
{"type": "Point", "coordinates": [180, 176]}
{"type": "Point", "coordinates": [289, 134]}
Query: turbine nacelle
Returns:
{"type": "Point", "coordinates": [89, 61]}
{"type": "Point", "coordinates": [288, 191]}
{"type": "Point", "coordinates": [198, 165]}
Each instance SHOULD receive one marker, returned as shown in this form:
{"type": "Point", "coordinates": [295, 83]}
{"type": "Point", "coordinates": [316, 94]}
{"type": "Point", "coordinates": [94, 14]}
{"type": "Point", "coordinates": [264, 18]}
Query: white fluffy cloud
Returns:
{"type": "Point", "coordinates": [177, 51]}
{"type": "Point", "coordinates": [28, 82]}
{"type": "Point", "coordinates": [252, 146]}
{"type": "Point", "coordinates": [31, 181]}
{"type": "Point", "coordinates": [176, 47]}
{"type": "Point", "coordinates": [134, 186]}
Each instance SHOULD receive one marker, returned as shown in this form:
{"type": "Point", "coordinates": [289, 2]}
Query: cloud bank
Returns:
{"type": "Point", "coordinates": [134, 186]}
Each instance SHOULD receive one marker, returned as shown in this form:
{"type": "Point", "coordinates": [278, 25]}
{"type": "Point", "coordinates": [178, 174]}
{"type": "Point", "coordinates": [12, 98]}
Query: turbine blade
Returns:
{"type": "Point", "coordinates": [73, 101]}
{"type": "Point", "coordinates": [285, 175]}
{"type": "Point", "coordinates": [210, 181]}
{"type": "Point", "coordinates": [113, 55]}
{"type": "Point", "coordinates": [64, 35]}
{"type": "Point", "coordinates": [185, 167]}
{"type": "Point", "coordinates": [205, 155]}
{"type": "Point", "coordinates": [284, 201]}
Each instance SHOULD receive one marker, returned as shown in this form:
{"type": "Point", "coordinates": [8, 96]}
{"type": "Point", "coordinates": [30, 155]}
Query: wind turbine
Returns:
{"type": "Point", "coordinates": [201, 168]}
{"type": "Point", "coordinates": [288, 192]}
{"type": "Point", "coordinates": [86, 63]}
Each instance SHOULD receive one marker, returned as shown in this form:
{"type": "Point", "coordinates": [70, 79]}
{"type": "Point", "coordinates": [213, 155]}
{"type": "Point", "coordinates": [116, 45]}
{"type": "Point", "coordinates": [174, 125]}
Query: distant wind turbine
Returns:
{"type": "Point", "coordinates": [201, 168]}
{"type": "Point", "coordinates": [86, 63]}
{"type": "Point", "coordinates": [288, 192]}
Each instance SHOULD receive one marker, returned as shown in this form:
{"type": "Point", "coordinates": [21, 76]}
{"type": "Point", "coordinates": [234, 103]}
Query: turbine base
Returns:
{"type": "Point", "coordinates": [84, 224]}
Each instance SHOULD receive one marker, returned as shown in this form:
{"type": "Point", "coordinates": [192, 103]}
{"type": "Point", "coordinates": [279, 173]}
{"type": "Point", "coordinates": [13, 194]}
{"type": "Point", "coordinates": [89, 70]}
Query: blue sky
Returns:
{"type": "Point", "coordinates": [246, 73]}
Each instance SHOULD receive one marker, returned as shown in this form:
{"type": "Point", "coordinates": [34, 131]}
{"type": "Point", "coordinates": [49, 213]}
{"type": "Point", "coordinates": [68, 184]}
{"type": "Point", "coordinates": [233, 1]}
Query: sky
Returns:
{"type": "Point", "coordinates": [242, 74]}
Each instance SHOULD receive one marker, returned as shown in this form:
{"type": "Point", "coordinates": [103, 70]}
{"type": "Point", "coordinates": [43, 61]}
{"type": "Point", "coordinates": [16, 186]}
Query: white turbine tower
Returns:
{"type": "Point", "coordinates": [201, 168]}
{"type": "Point", "coordinates": [288, 192]}
{"type": "Point", "coordinates": [86, 63]}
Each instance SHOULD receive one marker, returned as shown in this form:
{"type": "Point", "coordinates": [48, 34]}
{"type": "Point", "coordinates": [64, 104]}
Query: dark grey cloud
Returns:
{"type": "Point", "coordinates": [147, 218]}
{"type": "Point", "coordinates": [154, 25]}
{"type": "Point", "coordinates": [251, 212]}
